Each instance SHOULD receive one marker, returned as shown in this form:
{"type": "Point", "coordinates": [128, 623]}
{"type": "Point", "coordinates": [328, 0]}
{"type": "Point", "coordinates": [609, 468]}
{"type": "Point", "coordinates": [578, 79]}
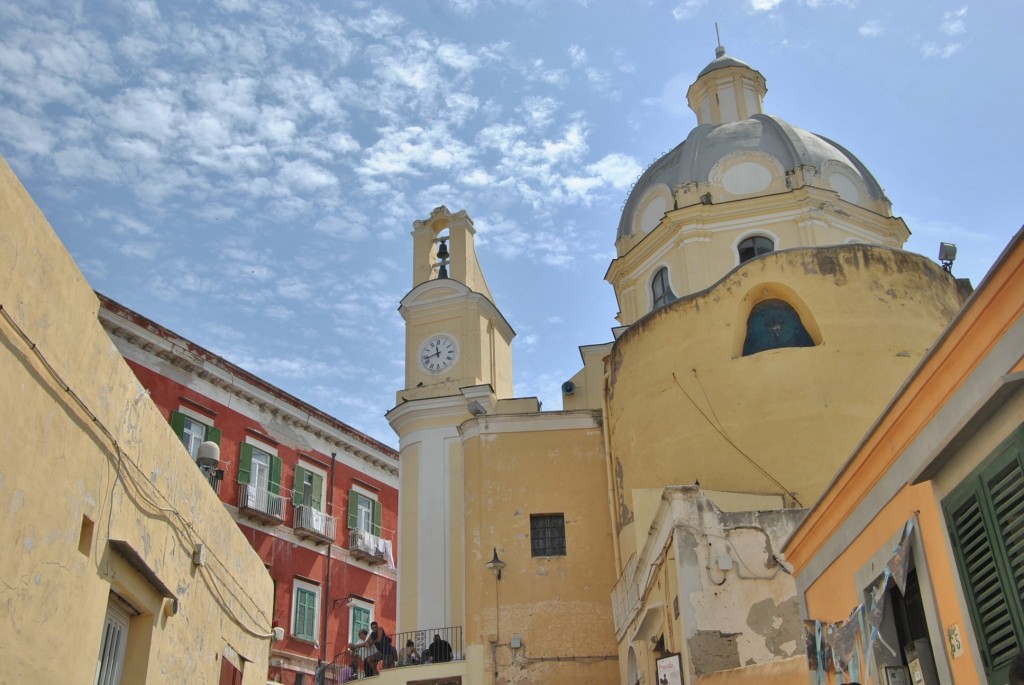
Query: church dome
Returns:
{"type": "Point", "coordinates": [737, 152]}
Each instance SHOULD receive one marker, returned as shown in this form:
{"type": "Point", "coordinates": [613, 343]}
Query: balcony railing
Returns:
{"type": "Point", "coordinates": [435, 645]}
{"type": "Point", "coordinates": [313, 524]}
{"type": "Point", "coordinates": [260, 504]}
{"type": "Point", "coordinates": [213, 476]}
{"type": "Point", "coordinates": [366, 546]}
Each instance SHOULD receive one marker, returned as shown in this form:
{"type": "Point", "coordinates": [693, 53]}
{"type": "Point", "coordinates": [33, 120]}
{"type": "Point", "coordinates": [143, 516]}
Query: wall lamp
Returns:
{"type": "Point", "coordinates": [495, 564]}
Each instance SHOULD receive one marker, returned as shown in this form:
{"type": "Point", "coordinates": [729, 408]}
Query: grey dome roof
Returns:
{"type": "Point", "coordinates": [693, 159]}
{"type": "Point", "coordinates": [722, 61]}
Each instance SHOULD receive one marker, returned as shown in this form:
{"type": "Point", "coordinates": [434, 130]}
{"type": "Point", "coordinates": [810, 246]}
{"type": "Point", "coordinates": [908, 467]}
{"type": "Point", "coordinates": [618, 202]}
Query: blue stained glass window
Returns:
{"type": "Point", "coordinates": [773, 324]}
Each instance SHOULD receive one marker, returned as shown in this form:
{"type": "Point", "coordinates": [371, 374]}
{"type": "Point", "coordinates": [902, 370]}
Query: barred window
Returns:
{"type": "Point", "coordinates": [547, 535]}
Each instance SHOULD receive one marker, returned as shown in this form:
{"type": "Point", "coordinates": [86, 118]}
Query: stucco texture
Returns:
{"type": "Point", "coordinates": [557, 604]}
{"type": "Point", "coordinates": [685, 405]}
{"type": "Point", "coordinates": [92, 460]}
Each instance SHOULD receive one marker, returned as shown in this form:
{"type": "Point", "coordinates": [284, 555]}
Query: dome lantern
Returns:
{"type": "Point", "coordinates": [726, 90]}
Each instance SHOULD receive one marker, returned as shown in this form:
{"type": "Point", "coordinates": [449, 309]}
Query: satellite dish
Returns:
{"type": "Point", "coordinates": [568, 387]}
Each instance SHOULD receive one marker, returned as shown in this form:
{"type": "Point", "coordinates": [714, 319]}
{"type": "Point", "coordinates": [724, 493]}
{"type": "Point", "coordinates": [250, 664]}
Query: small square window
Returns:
{"type": "Point", "coordinates": [547, 535]}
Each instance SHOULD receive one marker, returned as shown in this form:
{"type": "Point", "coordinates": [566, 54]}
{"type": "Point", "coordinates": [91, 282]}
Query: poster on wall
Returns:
{"type": "Point", "coordinates": [670, 671]}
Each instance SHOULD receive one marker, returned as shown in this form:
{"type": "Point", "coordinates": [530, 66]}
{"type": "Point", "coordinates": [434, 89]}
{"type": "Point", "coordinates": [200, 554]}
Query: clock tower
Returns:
{"type": "Point", "coordinates": [458, 363]}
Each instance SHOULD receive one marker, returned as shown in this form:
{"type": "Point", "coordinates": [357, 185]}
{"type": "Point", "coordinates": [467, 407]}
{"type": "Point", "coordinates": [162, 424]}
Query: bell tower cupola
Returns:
{"type": "Point", "coordinates": [726, 90]}
{"type": "Point", "coordinates": [443, 247]}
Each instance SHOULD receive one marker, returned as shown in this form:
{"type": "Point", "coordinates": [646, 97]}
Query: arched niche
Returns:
{"type": "Point", "coordinates": [773, 292]}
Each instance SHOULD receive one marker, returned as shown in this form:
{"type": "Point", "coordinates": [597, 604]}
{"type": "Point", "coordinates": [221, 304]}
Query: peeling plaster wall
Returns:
{"type": "Point", "coordinates": [744, 614]}
{"type": "Point", "coordinates": [67, 490]}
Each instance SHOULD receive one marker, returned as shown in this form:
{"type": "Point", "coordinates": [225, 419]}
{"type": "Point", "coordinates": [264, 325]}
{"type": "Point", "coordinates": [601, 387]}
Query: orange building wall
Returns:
{"type": "Point", "coordinates": [834, 594]}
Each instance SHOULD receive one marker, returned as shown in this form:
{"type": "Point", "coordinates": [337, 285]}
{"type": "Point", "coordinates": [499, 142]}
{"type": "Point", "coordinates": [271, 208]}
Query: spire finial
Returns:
{"type": "Point", "coordinates": [720, 50]}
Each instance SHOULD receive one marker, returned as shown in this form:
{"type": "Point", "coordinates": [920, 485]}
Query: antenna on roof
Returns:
{"type": "Point", "coordinates": [720, 50]}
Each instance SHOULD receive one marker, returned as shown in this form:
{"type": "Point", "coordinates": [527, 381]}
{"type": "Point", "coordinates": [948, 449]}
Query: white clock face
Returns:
{"type": "Point", "coordinates": [438, 353]}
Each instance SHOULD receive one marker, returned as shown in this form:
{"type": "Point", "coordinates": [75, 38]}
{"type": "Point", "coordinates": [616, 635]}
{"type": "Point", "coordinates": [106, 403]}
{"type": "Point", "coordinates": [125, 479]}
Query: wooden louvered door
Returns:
{"type": "Point", "coordinates": [985, 515]}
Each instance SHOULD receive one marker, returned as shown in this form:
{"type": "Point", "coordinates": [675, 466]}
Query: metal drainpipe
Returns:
{"type": "Point", "coordinates": [328, 604]}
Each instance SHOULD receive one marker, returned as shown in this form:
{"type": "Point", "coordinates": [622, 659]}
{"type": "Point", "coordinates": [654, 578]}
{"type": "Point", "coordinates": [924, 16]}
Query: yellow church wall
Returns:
{"type": "Point", "coordinates": [519, 465]}
{"type": "Point", "coordinates": [709, 234]}
{"type": "Point", "coordinates": [679, 392]}
{"type": "Point", "coordinates": [100, 496]}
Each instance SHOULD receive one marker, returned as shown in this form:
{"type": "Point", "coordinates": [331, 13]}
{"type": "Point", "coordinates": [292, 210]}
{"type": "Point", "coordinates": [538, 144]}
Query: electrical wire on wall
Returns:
{"type": "Point", "coordinates": [141, 491]}
{"type": "Point", "coordinates": [714, 424]}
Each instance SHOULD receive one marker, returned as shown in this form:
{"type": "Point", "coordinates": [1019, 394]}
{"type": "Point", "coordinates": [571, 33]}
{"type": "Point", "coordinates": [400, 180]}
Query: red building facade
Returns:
{"type": "Point", "coordinates": [317, 499]}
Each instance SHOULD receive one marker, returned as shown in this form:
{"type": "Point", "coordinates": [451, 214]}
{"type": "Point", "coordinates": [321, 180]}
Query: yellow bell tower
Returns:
{"type": "Point", "coordinates": [455, 335]}
{"type": "Point", "coordinates": [458, 363]}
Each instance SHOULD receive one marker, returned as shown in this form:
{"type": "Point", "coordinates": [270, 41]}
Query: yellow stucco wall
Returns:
{"type": "Point", "coordinates": [683, 402]}
{"type": "Point", "coordinates": [75, 473]}
{"type": "Point", "coordinates": [520, 465]}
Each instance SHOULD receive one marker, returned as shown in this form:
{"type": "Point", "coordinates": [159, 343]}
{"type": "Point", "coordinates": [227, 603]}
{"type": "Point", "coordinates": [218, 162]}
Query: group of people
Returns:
{"type": "Point", "coordinates": [375, 651]}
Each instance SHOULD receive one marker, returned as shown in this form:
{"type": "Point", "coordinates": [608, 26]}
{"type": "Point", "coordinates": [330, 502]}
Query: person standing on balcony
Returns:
{"type": "Point", "coordinates": [365, 653]}
{"type": "Point", "coordinates": [385, 654]}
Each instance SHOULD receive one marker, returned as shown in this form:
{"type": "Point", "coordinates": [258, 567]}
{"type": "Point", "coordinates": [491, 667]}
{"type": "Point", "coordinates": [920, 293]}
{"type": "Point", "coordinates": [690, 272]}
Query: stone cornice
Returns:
{"type": "Point", "coordinates": [146, 340]}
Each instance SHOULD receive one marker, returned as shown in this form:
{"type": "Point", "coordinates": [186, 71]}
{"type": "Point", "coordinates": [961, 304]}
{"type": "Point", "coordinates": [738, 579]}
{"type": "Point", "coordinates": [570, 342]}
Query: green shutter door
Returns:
{"type": "Point", "coordinates": [353, 509]}
{"type": "Point", "coordinates": [178, 424]}
{"type": "Point", "coordinates": [318, 488]}
{"type": "Point", "coordinates": [275, 476]}
{"type": "Point", "coordinates": [244, 463]}
{"type": "Point", "coordinates": [305, 614]}
{"type": "Point", "coordinates": [300, 478]}
{"type": "Point", "coordinates": [376, 518]}
{"type": "Point", "coordinates": [985, 515]}
{"type": "Point", "coordinates": [981, 579]}
{"type": "Point", "coordinates": [213, 434]}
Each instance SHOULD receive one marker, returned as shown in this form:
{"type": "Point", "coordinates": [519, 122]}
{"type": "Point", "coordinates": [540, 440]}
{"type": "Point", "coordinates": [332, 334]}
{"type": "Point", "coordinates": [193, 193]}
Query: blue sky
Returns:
{"type": "Point", "coordinates": [246, 172]}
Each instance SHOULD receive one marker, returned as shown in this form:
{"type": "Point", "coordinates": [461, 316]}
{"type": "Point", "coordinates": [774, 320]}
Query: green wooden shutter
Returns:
{"type": "Point", "coordinates": [353, 509]}
{"type": "Point", "coordinates": [981, 580]}
{"type": "Point", "coordinates": [376, 518]}
{"type": "Point", "coordinates": [984, 516]}
{"type": "Point", "coordinates": [244, 463]}
{"type": "Point", "coordinates": [318, 488]}
{"type": "Point", "coordinates": [300, 478]}
{"type": "Point", "coordinates": [275, 476]}
{"type": "Point", "coordinates": [213, 434]}
{"type": "Point", "coordinates": [305, 614]}
{"type": "Point", "coordinates": [178, 424]}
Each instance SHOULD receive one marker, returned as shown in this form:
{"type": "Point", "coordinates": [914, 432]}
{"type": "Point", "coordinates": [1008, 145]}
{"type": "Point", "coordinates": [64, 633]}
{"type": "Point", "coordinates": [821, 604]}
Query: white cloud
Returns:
{"type": "Point", "coordinates": [302, 175]}
{"type": "Point", "coordinates": [943, 51]}
{"type": "Point", "coordinates": [870, 28]}
{"type": "Point", "coordinates": [457, 57]}
{"type": "Point", "coordinates": [411, 149]}
{"type": "Point", "coordinates": [619, 170]}
{"type": "Point", "coordinates": [687, 9]}
{"type": "Point", "coordinates": [140, 250]}
{"type": "Point", "coordinates": [953, 22]}
{"type": "Point", "coordinates": [764, 5]}
{"type": "Point", "coordinates": [540, 110]}
{"type": "Point", "coordinates": [577, 55]}
{"type": "Point", "coordinates": [352, 227]}
{"type": "Point", "coordinates": [26, 134]}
